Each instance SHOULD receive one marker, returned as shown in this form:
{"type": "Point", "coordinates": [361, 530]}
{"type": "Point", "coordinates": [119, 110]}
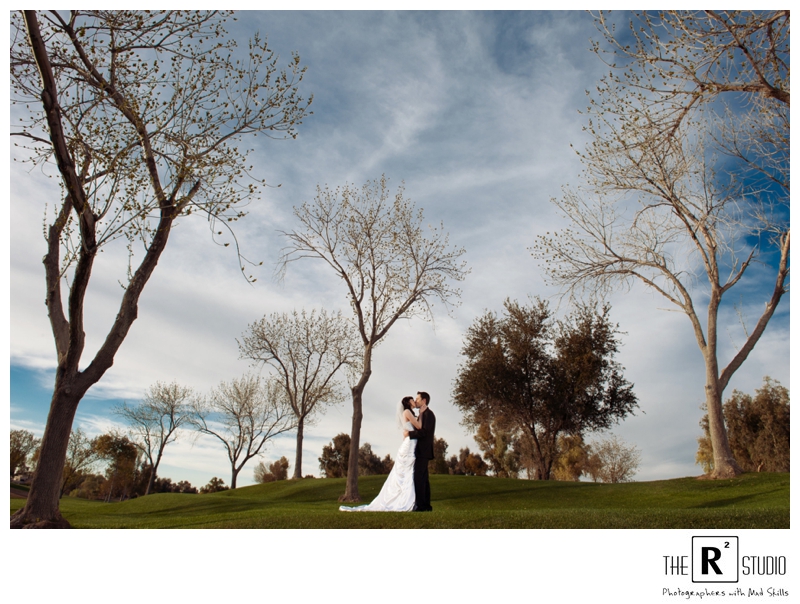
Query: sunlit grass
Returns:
{"type": "Point", "coordinates": [749, 501]}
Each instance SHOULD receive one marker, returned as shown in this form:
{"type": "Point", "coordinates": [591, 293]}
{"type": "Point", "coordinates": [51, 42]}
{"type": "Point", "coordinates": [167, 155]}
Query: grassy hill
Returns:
{"type": "Point", "coordinates": [749, 501]}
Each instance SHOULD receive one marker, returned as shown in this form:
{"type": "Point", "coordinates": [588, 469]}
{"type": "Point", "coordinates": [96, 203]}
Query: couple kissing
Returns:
{"type": "Point", "coordinates": [407, 487]}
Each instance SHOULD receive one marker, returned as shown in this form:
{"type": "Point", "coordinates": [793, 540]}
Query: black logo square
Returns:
{"type": "Point", "coordinates": [715, 559]}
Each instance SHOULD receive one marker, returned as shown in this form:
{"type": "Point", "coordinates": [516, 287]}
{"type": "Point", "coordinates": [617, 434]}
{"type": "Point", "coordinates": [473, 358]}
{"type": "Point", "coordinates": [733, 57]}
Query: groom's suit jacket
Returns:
{"type": "Point", "coordinates": [424, 435]}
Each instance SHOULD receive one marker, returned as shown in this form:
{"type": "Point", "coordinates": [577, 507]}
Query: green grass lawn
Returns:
{"type": "Point", "coordinates": [749, 501]}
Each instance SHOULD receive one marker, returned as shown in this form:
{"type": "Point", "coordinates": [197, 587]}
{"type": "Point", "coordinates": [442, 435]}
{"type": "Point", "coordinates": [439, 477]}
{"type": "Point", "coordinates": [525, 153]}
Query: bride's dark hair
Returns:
{"type": "Point", "coordinates": [406, 402]}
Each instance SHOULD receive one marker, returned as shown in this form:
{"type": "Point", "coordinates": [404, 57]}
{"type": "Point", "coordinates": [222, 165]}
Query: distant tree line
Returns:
{"type": "Point", "coordinates": [608, 460]}
{"type": "Point", "coordinates": [335, 459]}
{"type": "Point", "coordinates": [109, 467]}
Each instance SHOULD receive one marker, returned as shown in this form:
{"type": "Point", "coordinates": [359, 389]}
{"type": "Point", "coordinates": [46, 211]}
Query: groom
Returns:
{"type": "Point", "coordinates": [424, 452]}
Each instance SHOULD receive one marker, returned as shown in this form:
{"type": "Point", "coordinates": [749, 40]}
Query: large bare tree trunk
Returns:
{"type": "Point", "coordinates": [151, 482]}
{"type": "Point", "coordinates": [351, 491]}
{"type": "Point", "coordinates": [154, 472]}
{"type": "Point", "coordinates": [725, 465]}
{"type": "Point", "coordinates": [298, 456]}
{"type": "Point", "coordinates": [41, 508]}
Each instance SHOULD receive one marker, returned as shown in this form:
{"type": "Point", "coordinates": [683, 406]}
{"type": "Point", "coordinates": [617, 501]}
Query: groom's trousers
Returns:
{"type": "Point", "coordinates": [422, 486]}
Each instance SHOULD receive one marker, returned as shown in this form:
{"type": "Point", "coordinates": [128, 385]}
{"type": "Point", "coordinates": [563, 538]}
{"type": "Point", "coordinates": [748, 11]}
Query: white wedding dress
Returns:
{"type": "Point", "coordinates": [397, 494]}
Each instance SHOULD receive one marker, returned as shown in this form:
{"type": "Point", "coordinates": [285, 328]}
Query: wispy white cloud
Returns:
{"type": "Point", "coordinates": [22, 424]}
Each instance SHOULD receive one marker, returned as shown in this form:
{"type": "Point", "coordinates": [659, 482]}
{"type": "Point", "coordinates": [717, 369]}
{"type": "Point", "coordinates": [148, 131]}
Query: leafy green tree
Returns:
{"type": "Point", "coordinates": [160, 485]}
{"type": "Point", "coordinates": [374, 242]}
{"type": "Point", "coordinates": [23, 443]}
{"type": "Point", "coordinates": [335, 457]}
{"type": "Point", "coordinates": [528, 376]}
{"type": "Point", "coordinates": [573, 454]}
{"type": "Point", "coordinates": [686, 182]}
{"type": "Point", "coordinates": [141, 115]}
{"type": "Point", "coordinates": [467, 463]}
{"type": "Point", "coordinates": [526, 456]}
{"type": "Point", "coordinates": [215, 485]}
{"type": "Point", "coordinates": [705, 454]}
{"type": "Point", "coordinates": [184, 486]}
{"type": "Point", "coordinates": [278, 470]}
{"type": "Point", "coordinates": [261, 473]}
{"type": "Point", "coordinates": [452, 465]}
{"type": "Point", "coordinates": [474, 465]}
{"type": "Point", "coordinates": [122, 457]}
{"type": "Point", "coordinates": [438, 465]}
{"type": "Point", "coordinates": [92, 486]}
{"type": "Point", "coordinates": [758, 429]}
{"type": "Point", "coordinates": [369, 464]}
{"type": "Point", "coordinates": [387, 463]}
{"type": "Point", "coordinates": [334, 462]}
{"type": "Point", "coordinates": [496, 439]}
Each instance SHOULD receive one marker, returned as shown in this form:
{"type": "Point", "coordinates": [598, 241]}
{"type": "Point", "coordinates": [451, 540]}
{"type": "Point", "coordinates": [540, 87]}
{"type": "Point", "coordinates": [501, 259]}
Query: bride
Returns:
{"type": "Point", "coordinates": [397, 494]}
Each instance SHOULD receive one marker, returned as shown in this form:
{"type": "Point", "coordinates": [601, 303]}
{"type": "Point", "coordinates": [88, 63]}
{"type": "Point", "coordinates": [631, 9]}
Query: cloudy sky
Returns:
{"type": "Point", "coordinates": [475, 113]}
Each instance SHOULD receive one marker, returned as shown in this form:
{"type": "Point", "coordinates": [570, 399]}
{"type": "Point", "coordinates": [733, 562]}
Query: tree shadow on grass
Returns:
{"type": "Point", "coordinates": [731, 501]}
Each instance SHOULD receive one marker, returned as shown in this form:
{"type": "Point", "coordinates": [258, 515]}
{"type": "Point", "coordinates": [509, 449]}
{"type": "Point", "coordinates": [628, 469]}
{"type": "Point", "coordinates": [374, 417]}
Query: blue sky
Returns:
{"type": "Point", "coordinates": [475, 113]}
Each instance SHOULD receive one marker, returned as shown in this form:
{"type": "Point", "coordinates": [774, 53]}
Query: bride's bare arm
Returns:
{"type": "Point", "coordinates": [414, 421]}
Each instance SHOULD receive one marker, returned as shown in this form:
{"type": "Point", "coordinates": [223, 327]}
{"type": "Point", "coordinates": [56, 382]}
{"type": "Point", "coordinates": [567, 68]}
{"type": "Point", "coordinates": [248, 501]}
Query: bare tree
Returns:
{"type": "Point", "coordinates": [154, 423]}
{"type": "Point", "coordinates": [142, 113]}
{"type": "Point", "coordinates": [686, 178]}
{"type": "Point", "coordinates": [392, 270]}
{"type": "Point", "coordinates": [244, 414]}
{"type": "Point", "coordinates": [732, 65]}
{"type": "Point", "coordinates": [611, 460]}
{"type": "Point", "coordinates": [81, 456]}
{"type": "Point", "coordinates": [82, 453]}
{"type": "Point", "coordinates": [305, 351]}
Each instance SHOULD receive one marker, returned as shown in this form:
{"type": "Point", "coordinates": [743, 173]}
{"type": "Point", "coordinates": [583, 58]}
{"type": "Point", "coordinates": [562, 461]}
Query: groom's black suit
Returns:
{"type": "Point", "coordinates": [423, 454]}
